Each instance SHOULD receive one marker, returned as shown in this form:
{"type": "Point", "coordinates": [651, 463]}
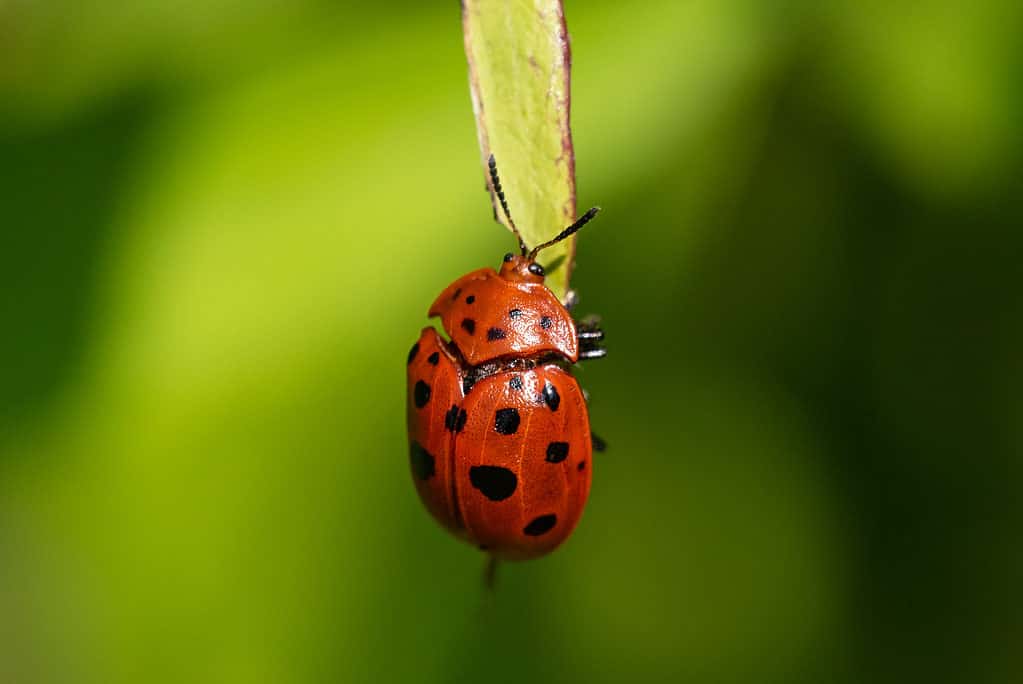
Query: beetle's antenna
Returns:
{"type": "Point", "coordinates": [571, 230]}
{"type": "Point", "coordinates": [492, 163]}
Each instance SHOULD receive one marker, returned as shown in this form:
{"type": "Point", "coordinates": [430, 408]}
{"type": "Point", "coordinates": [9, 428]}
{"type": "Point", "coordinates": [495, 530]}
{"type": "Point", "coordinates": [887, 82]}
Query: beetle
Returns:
{"type": "Point", "coordinates": [499, 434]}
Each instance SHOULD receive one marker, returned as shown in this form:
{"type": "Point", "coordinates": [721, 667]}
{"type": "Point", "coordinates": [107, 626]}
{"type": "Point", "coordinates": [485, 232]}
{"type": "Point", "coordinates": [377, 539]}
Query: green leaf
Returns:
{"type": "Point", "coordinates": [519, 62]}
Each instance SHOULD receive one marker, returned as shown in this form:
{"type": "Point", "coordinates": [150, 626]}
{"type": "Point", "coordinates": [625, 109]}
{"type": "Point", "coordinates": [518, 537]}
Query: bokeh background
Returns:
{"type": "Point", "coordinates": [221, 226]}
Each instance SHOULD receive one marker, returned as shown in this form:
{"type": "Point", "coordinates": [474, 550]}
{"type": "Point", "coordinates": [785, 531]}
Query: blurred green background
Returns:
{"type": "Point", "coordinates": [222, 225]}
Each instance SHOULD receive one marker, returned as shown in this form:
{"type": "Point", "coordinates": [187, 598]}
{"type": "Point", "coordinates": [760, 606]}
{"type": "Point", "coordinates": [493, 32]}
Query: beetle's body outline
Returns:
{"type": "Point", "coordinates": [500, 445]}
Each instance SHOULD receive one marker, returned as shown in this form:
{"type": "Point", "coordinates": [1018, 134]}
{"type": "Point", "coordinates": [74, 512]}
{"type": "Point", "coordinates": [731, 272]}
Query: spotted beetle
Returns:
{"type": "Point", "coordinates": [499, 434]}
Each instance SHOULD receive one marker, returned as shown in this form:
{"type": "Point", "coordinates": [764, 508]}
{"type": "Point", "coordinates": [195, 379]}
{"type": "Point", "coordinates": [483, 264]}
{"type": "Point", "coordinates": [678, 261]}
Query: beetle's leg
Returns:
{"type": "Point", "coordinates": [490, 575]}
{"type": "Point", "coordinates": [590, 323]}
{"type": "Point", "coordinates": [590, 336]}
{"type": "Point", "coordinates": [571, 299]}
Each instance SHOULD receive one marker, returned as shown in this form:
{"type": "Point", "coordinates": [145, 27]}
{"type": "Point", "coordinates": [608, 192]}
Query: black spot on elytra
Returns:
{"type": "Point", "coordinates": [484, 547]}
{"type": "Point", "coordinates": [421, 460]}
{"type": "Point", "coordinates": [451, 417]}
{"type": "Point", "coordinates": [421, 394]}
{"type": "Point", "coordinates": [581, 467]}
{"type": "Point", "coordinates": [506, 421]}
{"type": "Point", "coordinates": [496, 334]}
{"type": "Point", "coordinates": [557, 452]}
{"type": "Point", "coordinates": [515, 313]}
{"type": "Point", "coordinates": [412, 353]}
{"type": "Point", "coordinates": [454, 419]}
{"type": "Point", "coordinates": [545, 322]}
{"type": "Point", "coordinates": [541, 525]}
{"type": "Point", "coordinates": [434, 358]}
{"type": "Point", "coordinates": [516, 382]}
{"type": "Point", "coordinates": [457, 292]}
{"type": "Point", "coordinates": [469, 325]}
{"type": "Point", "coordinates": [496, 483]}
{"type": "Point", "coordinates": [551, 396]}
{"type": "Point", "coordinates": [470, 299]}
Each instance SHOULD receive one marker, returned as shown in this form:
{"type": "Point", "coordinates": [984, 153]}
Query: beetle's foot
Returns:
{"type": "Point", "coordinates": [590, 336]}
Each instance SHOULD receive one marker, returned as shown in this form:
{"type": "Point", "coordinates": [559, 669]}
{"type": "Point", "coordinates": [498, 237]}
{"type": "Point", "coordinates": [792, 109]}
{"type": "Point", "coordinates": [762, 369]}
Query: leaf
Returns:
{"type": "Point", "coordinates": [519, 64]}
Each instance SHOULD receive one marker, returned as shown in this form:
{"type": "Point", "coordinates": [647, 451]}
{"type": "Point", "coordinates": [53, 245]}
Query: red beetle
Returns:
{"type": "Point", "coordinates": [499, 434]}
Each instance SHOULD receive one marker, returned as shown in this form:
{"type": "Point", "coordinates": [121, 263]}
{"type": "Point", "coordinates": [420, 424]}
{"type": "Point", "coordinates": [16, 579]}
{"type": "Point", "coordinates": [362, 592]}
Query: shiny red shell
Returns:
{"type": "Point", "coordinates": [499, 435]}
{"type": "Point", "coordinates": [488, 316]}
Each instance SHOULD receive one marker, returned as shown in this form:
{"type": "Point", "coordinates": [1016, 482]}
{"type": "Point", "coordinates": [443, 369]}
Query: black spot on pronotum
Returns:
{"type": "Point", "coordinates": [434, 358]}
{"type": "Point", "coordinates": [541, 525]}
{"type": "Point", "coordinates": [506, 421]}
{"type": "Point", "coordinates": [551, 396]}
{"type": "Point", "coordinates": [421, 460]}
{"type": "Point", "coordinates": [496, 334]}
{"type": "Point", "coordinates": [496, 483]}
{"type": "Point", "coordinates": [545, 322]}
{"type": "Point", "coordinates": [557, 452]}
{"type": "Point", "coordinates": [516, 382]}
{"type": "Point", "coordinates": [421, 394]}
{"type": "Point", "coordinates": [412, 352]}
{"type": "Point", "coordinates": [515, 313]}
{"type": "Point", "coordinates": [469, 325]}
{"type": "Point", "coordinates": [470, 299]}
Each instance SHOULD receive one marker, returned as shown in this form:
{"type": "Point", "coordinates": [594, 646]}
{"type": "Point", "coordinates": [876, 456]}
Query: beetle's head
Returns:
{"type": "Point", "coordinates": [521, 269]}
